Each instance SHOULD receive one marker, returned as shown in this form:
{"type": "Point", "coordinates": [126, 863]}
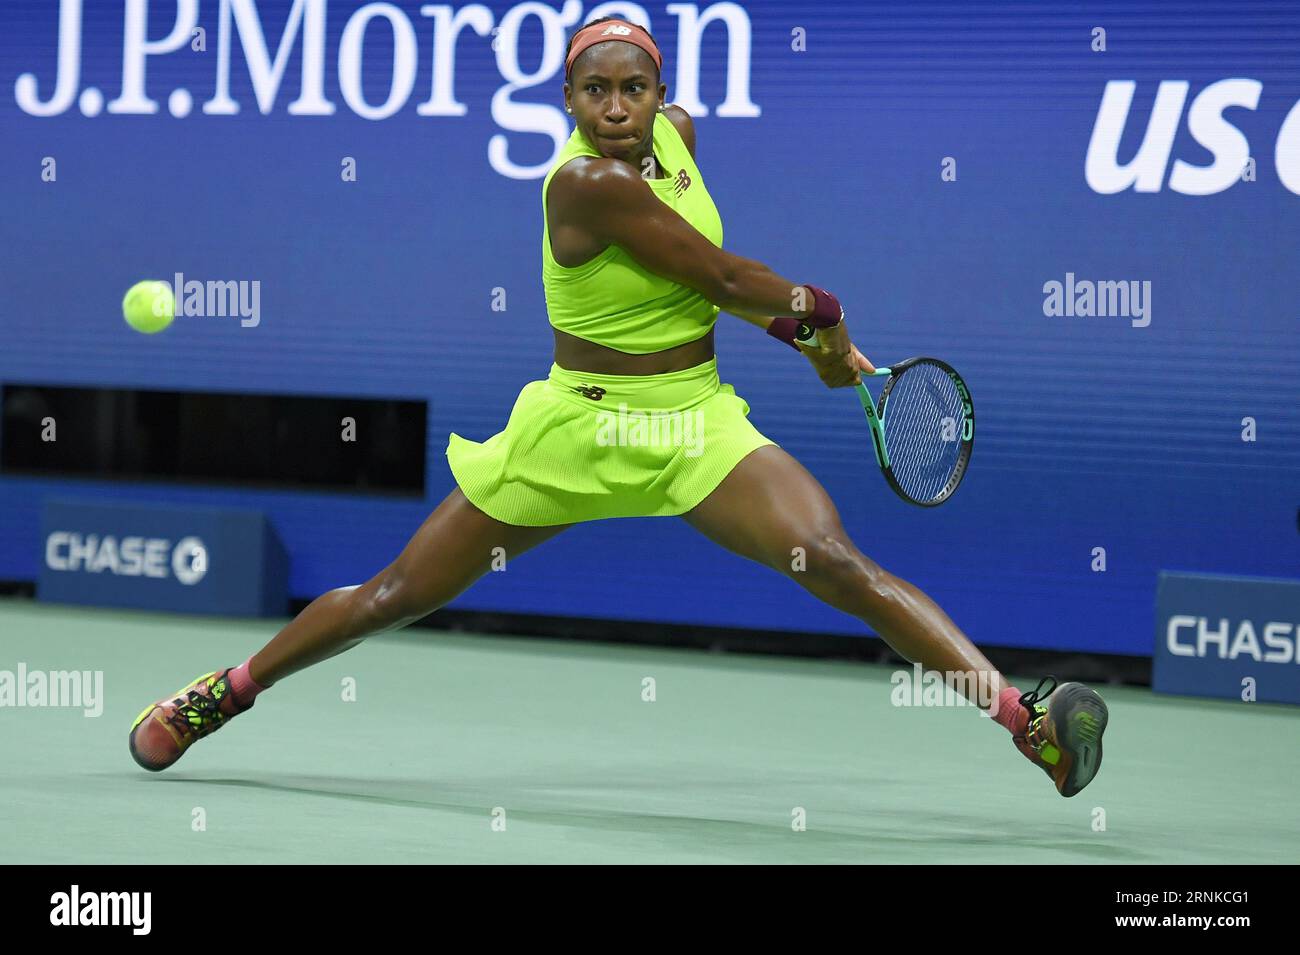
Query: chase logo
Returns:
{"type": "Point", "coordinates": [1237, 638]}
{"type": "Point", "coordinates": [1271, 642]}
{"type": "Point", "coordinates": [156, 557]}
{"type": "Point", "coordinates": [189, 560]}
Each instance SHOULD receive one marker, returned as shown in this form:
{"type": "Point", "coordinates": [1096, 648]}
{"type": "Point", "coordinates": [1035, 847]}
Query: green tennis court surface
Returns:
{"type": "Point", "coordinates": [446, 729]}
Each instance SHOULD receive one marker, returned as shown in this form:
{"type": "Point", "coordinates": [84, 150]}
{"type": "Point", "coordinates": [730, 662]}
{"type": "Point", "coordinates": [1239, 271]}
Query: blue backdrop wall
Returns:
{"type": "Point", "coordinates": [825, 132]}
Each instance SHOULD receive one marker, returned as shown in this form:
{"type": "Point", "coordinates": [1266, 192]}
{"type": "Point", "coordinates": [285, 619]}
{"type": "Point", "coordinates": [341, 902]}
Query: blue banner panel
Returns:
{"type": "Point", "coordinates": [1089, 210]}
{"type": "Point", "coordinates": [1231, 637]}
{"type": "Point", "coordinates": [162, 557]}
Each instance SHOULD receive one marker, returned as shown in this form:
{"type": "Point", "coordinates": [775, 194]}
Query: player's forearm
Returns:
{"type": "Point", "coordinates": [754, 292]}
{"type": "Point", "coordinates": [754, 318]}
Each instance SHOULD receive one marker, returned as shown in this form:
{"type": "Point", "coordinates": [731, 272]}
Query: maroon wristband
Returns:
{"type": "Point", "coordinates": [827, 311]}
{"type": "Point", "coordinates": [784, 329]}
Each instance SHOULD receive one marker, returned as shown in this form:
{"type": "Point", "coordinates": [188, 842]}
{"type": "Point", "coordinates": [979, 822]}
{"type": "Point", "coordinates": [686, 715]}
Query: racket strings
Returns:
{"type": "Point", "coordinates": [923, 426]}
{"type": "Point", "coordinates": [923, 462]}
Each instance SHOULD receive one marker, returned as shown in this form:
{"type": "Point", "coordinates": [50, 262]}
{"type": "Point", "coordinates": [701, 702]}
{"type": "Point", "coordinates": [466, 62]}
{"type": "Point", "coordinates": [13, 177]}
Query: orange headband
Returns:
{"type": "Point", "coordinates": [613, 30]}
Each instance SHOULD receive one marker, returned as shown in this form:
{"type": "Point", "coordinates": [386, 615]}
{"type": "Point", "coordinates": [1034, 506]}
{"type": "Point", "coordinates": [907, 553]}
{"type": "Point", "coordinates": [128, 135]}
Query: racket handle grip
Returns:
{"type": "Point", "coordinates": [826, 313]}
{"type": "Point", "coordinates": [808, 340]}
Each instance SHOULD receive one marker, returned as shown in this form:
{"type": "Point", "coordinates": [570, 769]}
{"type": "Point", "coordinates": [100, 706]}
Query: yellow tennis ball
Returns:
{"type": "Point", "coordinates": [149, 306]}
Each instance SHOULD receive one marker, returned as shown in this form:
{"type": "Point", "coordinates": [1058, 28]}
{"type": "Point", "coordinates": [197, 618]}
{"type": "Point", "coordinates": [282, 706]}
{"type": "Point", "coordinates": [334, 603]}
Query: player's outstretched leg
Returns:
{"type": "Point", "coordinates": [769, 505]}
{"type": "Point", "coordinates": [452, 549]}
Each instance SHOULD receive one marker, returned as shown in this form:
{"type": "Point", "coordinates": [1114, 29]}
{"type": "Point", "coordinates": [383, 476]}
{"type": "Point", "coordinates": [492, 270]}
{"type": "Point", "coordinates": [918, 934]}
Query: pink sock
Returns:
{"type": "Point", "coordinates": [242, 683]}
{"type": "Point", "coordinates": [1010, 713]}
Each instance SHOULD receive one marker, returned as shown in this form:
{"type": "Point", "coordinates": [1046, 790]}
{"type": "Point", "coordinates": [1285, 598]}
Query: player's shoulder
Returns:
{"type": "Point", "coordinates": [684, 125]}
{"type": "Point", "coordinates": [592, 186]}
{"type": "Point", "coordinates": [595, 174]}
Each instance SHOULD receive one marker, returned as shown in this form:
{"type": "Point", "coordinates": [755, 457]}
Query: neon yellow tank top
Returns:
{"type": "Point", "coordinates": [611, 299]}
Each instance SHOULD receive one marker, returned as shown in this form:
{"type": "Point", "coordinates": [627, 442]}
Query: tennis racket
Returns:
{"type": "Point", "coordinates": [923, 429]}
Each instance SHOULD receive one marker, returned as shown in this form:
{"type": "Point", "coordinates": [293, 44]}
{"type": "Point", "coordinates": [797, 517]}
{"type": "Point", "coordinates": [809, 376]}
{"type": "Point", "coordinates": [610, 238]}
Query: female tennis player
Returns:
{"type": "Point", "coordinates": [635, 275]}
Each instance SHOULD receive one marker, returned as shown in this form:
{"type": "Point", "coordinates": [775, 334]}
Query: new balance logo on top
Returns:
{"type": "Point", "coordinates": [683, 182]}
{"type": "Point", "coordinates": [615, 28]}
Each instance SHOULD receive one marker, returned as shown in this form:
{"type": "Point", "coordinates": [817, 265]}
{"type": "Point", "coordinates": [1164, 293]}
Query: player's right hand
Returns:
{"type": "Point", "coordinates": [838, 362]}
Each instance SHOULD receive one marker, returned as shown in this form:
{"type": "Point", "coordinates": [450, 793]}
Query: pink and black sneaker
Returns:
{"type": "Point", "coordinates": [1063, 738]}
{"type": "Point", "coordinates": [165, 730]}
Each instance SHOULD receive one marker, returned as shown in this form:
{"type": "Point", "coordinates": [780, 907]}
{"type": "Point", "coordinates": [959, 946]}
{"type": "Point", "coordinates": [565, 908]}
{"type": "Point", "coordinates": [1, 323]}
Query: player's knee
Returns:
{"type": "Point", "coordinates": [393, 603]}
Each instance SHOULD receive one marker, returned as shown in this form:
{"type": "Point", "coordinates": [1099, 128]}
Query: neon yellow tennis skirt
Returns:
{"type": "Point", "coordinates": [583, 447]}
